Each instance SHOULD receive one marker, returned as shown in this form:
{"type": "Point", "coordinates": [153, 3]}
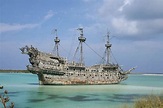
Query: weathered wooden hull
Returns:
{"type": "Point", "coordinates": [81, 78]}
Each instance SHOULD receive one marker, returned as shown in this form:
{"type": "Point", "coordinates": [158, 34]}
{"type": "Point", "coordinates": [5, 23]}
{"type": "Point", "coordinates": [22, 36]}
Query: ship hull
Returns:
{"type": "Point", "coordinates": [80, 78]}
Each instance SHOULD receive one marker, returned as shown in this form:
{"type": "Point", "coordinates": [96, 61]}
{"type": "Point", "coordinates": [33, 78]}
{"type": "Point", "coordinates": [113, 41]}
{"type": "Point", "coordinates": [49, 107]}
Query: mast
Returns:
{"type": "Point", "coordinates": [56, 40]}
{"type": "Point", "coordinates": [81, 39]}
{"type": "Point", "coordinates": [108, 49]}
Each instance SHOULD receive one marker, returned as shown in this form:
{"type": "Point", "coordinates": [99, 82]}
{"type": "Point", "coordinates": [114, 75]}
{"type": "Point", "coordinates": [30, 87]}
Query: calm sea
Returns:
{"type": "Point", "coordinates": [25, 92]}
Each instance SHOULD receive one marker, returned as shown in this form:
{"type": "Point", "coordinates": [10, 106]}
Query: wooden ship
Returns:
{"type": "Point", "coordinates": [56, 70]}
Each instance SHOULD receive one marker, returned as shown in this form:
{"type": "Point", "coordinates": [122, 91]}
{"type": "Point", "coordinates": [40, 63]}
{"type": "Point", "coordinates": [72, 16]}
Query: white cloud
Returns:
{"type": "Point", "coordinates": [49, 15]}
{"type": "Point", "coordinates": [126, 27]}
{"type": "Point", "coordinates": [109, 9]}
{"type": "Point", "coordinates": [4, 27]}
{"type": "Point", "coordinates": [126, 2]}
{"type": "Point", "coordinates": [151, 27]}
{"type": "Point", "coordinates": [144, 10]}
{"type": "Point", "coordinates": [132, 19]}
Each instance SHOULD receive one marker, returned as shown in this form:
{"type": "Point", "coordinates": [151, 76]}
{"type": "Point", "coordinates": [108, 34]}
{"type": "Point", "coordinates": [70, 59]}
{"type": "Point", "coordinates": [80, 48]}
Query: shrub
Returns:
{"type": "Point", "coordinates": [151, 101]}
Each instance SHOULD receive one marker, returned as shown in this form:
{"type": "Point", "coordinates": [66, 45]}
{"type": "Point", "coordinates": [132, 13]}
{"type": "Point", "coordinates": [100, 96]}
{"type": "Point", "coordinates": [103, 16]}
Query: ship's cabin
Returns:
{"type": "Point", "coordinates": [104, 68]}
{"type": "Point", "coordinates": [76, 66]}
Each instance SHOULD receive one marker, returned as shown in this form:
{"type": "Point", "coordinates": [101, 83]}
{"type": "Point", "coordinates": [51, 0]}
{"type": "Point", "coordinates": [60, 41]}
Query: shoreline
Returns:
{"type": "Point", "coordinates": [13, 71]}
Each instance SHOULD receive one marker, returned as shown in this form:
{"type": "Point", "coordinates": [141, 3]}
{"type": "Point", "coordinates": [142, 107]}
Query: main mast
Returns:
{"type": "Point", "coordinates": [81, 39]}
{"type": "Point", "coordinates": [56, 40]}
{"type": "Point", "coordinates": [108, 49]}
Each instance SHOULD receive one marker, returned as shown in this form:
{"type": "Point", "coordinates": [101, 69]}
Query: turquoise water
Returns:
{"type": "Point", "coordinates": [25, 92]}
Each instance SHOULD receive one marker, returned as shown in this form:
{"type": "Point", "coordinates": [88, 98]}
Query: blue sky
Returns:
{"type": "Point", "coordinates": [135, 25]}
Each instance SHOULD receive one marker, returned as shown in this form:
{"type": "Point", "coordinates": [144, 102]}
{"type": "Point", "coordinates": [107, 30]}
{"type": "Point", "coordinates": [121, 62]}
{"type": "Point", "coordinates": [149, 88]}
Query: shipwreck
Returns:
{"type": "Point", "coordinates": [53, 69]}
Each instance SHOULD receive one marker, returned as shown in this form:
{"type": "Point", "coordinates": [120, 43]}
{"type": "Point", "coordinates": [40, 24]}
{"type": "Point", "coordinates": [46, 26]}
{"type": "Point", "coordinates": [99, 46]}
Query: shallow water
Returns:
{"type": "Point", "coordinates": [25, 92]}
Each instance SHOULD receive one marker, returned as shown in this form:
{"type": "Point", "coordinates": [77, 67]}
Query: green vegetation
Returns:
{"type": "Point", "coordinates": [15, 71]}
{"type": "Point", "coordinates": [148, 102]}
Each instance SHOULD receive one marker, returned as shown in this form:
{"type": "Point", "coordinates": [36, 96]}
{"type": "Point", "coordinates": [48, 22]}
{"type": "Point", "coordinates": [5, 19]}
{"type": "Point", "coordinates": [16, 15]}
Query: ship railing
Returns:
{"type": "Point", "coordinates": [76, 64]}
{"type": "Point", "coordinates": [111, 66]}
{"type": "Point", "coordinates": [50, 67]}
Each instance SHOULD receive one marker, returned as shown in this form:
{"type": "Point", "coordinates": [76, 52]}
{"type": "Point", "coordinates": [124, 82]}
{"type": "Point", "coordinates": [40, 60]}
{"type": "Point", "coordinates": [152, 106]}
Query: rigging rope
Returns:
{"type": "Point", "coordinates": [113, 56]}
{"type": "Point", "coordinates": [72, 45]}
{"type": "Point", "coordinates": [63, 48]}
{"type": "Point", "coordinates": [116, 60]}
{"type": "Point", "coordinates": [95, 51]}
{"type": "Point", "coordinates": [76, 51]}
